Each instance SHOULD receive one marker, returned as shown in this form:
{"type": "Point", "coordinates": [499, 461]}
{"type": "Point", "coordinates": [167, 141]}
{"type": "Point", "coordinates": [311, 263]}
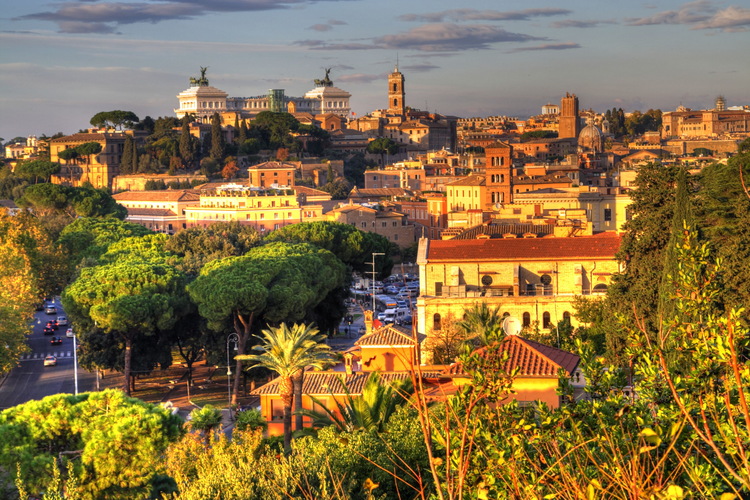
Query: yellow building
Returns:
{"type": "Point", "coordinates": [532, 279]}
{"type": "Point", "coordinates": [537, 367]}
{"type": "Point", "coordinates": [468, 193]}
{"type": "Point", "coordinates": [161, 211]}
{"type": "Point", "coordinates": [390, 224]}
{"type": "Point", "coordinates": [264, 209]}
{"type": "Point", "coordinates": [98, 170]}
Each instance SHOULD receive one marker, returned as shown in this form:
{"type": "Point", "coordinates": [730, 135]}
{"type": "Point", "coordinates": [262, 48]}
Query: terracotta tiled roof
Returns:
{"type": "Point", "coordinates": [325, 383]}
{"type": "Point", "coordinates": [603, 245]}
{"type": "Point", "coordinates": [544, 179]}
{"type": "Point", "coordinates": [156, 212]}
{"type": "Point", "coordinates": [88, 137]}
{"type": "Point", "coordinates": [273, 165]}
{"type": "Point", "coordinates": [532, 359]}
{"type": "Point", "coordinates": [387, 336]}
{"type": "Point", "coordinates": [309, 191]}
{"type": "Point", "coordinates": [378, 192]}
{"type": "Point", "coordinates": [472, 180]}
{"type": "Point", "coordinates": [168, 195]}
{"type": "Point", "coordinates": [353, 208]}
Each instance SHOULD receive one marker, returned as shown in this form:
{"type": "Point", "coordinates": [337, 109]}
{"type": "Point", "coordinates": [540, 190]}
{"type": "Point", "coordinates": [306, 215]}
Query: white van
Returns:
{"type": "Point", "coordinates": [392, 315]}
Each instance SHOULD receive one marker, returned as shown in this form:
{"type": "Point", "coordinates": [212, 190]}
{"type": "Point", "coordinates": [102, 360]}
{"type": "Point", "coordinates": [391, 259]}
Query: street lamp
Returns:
{"type": "Point", "coordinates": [373, 279]}
{"type": "Point", "coordinates": [75, 364]}
{"type": "Point", "coordinates": [232, 337]}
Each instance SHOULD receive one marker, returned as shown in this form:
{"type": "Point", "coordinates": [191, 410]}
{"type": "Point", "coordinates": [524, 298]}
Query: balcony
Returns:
{"type": "Point", "coordinates": [473, 291]}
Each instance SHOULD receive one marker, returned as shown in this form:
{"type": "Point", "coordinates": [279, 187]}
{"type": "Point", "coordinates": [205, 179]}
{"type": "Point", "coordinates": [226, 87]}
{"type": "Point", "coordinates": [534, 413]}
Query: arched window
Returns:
{"type": "Point", "coordinates": [526, 319]}
{"type": "Point", "coordinates": [600, 288]}
{"type": "Point", "coordinates": [395, 102]}
{"type": "Point", "coordinates": [566, 316]}
{"type": "Point", "coordinates": [436, 324]}
{"type": "Point", "coordinates": [395, 87]}
{"type": "Point", "coordinates": [546, 323]}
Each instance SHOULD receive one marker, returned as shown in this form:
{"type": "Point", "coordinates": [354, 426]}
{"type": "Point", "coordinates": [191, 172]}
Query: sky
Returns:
{"type": "Point", "coordinates": [61, 62]}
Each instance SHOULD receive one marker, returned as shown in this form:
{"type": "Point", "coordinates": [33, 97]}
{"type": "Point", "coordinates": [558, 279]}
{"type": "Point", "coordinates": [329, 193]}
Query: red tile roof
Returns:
{"type": "Point", "coordinates": [273, 165]}
{"type": "Point", "coordinates": [325, 383]}
{"type": "Point", "coordinates": [168, 195]}
{"type": "Point", "coordinates": [532, 359]}
{"type": "Point", "coordinates": [387, 336]}
{"type": "Point", "coordinates": [603, 245]}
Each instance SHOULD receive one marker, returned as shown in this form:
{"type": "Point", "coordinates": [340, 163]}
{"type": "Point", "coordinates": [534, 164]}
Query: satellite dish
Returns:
{"type": "Point", "coordinates": [511, 325]}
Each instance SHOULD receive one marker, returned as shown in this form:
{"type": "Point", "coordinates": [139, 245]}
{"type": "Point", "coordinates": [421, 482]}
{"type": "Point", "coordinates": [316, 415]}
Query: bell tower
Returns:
{"type": "Point", "coordinates": [569, 124]}
{"type": "Point", "coordinates": [396, 93]}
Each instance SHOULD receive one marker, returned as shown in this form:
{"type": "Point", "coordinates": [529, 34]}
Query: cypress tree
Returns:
{"type": "Point", "coordinates": [243, 133]}
{"type": "Point", "coordinates": [187, 144]}
{"type": "Point", "coordinates": [217, 139]}
{"type": "Point", "coordinates": [126, 160]}
{"type": "Point", "coordinates": [682, 221]}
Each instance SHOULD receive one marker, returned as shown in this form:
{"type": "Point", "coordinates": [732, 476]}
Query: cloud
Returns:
{"type": "Point", "coordinates": [549, 46]}
{"type": "Point", "coordinates": [689, 13]}
{"type": "Point", "coordinates": [360, 78]}
{"type": "Point", "coordinates": [102, 17]}
{"type": "Point", "coordinates": [420, 68]}
{"type": "Point", "coordinates": [450, 37]}
{"type": "Point", "coordinates": [729, 19]}
{"type": "Point", "coordinates": [321, 45]}
{"type": "Point", "coordinates": [572, 23]}
{"type": "Point", "coordinates": [327, 26]}
{"type": "Point", "coordinates": [483, 15]}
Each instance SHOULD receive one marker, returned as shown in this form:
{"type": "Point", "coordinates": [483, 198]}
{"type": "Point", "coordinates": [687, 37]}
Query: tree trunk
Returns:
{"type": "Point", "coordinates": [242, 326]}
{"type": "Point", "coordinates": [286, 390]}
{"type": "Point", "coordinates": [297, 381]}
{"type": "Point", "coordinates": [126, 368]}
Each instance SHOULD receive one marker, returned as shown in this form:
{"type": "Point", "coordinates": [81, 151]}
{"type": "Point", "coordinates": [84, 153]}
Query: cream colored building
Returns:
{"type": "Point", "coordinates": [393, 225]}
{"type": "Point", "coordinates": [264, 209]}
{"type": "Point", "coordinates": [533, 279]}
{"type": "Point", "coordinates": [203, 100]}
{"type": "Point", "coordinates": [161, 211]}
{"type": "Point", "coordinates": [605, 207]}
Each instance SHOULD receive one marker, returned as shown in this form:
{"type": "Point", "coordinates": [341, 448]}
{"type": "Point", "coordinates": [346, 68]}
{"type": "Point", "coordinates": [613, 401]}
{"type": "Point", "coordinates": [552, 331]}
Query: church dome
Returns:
{"type": "Point", "coordinates": [591, 138]}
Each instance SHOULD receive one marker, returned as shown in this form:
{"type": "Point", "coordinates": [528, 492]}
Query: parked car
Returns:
{"type": "Point", "coordinates": [62, 321]}
{"type": "Point", "coordinates": [50, 310]}
{"type": "Point", "coordinates": [55, 341]}
{"type": "Point", "coordinates": [69, 333]}
{"type": "Point", "coordinates": [50, 361]}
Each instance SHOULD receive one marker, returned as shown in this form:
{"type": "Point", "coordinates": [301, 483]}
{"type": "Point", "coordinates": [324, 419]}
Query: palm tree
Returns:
{"type": "Point", "coordinates": [288, 351]}
{"type": "Point", "coordinates": [369, 411]}
{"type": "Point", "coordinates": [482, 324]}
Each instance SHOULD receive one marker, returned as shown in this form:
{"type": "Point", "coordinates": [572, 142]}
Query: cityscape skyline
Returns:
{"type": "Point", "coordinates": [64, 62]}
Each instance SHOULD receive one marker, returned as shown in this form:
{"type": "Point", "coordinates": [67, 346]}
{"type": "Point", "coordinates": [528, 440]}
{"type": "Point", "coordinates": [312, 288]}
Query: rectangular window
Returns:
{"type": "Point", "coordinates": [607, 215]}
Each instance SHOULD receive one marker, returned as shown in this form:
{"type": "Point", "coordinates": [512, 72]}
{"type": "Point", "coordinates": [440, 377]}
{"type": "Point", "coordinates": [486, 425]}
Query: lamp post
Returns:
{"type": "Point", "coordinates": [232, 337]}
{"type": "Point", "coordinates": [373, 279]}
{"type": "Point", "coordinates": [75, 364]}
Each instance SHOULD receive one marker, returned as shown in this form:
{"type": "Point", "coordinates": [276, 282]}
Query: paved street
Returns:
{"type": "Point", "coordinates": [32, 380]}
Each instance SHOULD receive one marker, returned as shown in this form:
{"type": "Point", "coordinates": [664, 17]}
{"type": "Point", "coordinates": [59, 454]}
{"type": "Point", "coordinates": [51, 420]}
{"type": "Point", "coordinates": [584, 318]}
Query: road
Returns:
{"type": "Point", "coordinates": [32, 380]}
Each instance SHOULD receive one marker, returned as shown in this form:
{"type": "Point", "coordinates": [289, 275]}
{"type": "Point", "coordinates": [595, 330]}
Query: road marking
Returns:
{"type": "Point", "coordinates": [38, 356]}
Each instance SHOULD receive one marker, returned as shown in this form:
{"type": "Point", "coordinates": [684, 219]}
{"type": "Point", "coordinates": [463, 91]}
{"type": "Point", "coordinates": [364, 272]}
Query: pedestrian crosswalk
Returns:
{"type": "Point", "coordinates": [41, 355]}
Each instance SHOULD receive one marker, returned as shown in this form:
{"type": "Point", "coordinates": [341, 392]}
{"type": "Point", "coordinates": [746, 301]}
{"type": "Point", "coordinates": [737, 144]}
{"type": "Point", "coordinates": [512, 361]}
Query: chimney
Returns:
{"type": "Point", "coordinates": [348, 363]}
{"type": "Point", "coordinates": [368, 322]}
